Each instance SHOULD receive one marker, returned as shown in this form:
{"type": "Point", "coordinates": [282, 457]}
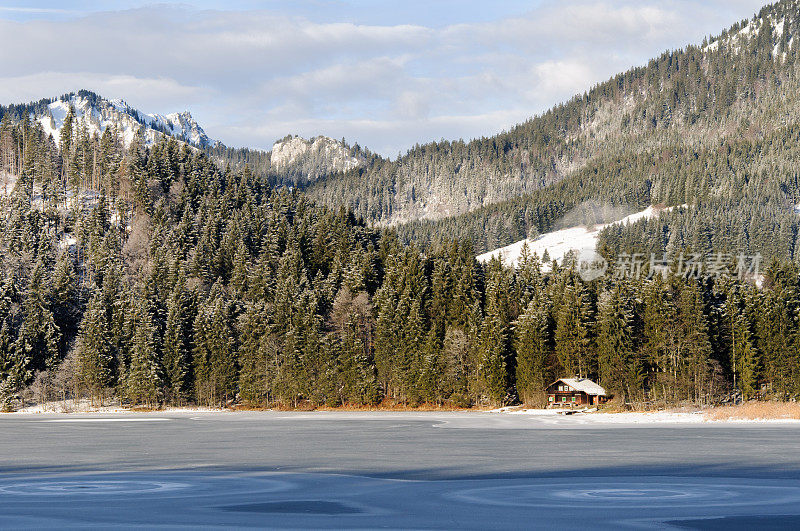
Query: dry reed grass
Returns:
{"type": "Point", "coordinates": [756, 411]}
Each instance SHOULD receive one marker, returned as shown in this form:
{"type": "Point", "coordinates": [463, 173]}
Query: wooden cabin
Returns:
{"type": "Point", "coordinates": [575, 392]}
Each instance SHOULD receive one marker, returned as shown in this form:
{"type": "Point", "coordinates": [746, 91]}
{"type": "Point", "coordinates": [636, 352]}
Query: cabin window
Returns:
{"type": "Point", "coordinates": [563, 398]}
{"type": "Point", "coordinates": [573, 399]}
{"type": "Point", "coordinates": [551, 398]}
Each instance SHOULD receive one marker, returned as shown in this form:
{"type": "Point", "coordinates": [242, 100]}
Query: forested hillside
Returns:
{"type": "Point", "coordinates": [742, 196]}
{"type": "Point", "coordinates": [154, 275]}
{"type": "Point", "coordinates": [714, 123]}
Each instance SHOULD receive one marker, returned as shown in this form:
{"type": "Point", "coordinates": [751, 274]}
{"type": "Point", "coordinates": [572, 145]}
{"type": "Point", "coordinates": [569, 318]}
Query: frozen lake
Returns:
{"type": "Point", "coordinates": [395, 470]}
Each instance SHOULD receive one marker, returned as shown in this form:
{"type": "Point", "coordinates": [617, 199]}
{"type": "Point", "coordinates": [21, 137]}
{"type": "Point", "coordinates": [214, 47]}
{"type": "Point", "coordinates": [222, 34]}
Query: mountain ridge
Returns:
{"type": "Point", "coordinates": [740, 83]}
{"type": "Point", "coordinates": [691, 95]}
{"type": "Point", "coordinates": [292, 160]}
{"type": "Point", "coordinates": [96, 113]}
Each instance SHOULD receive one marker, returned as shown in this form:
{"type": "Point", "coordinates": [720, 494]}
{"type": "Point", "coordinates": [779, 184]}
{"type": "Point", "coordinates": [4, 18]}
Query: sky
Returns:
{"type": "Point", "coordinates": [386, 74]}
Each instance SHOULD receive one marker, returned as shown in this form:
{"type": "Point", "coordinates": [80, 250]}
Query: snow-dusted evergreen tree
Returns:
{"type": "Point", "coordinates": [532, 343]}
{"type": "Point", "coordinates": [96, 365]}
{"type": "Point", "coordinates": [619, 368]}
{"type": "Point", "coordinates": [572, 339]}
{"type": "Point", "coordinates": [36, 347]}
{"type": "Point", "coordinates": [176, 345]}
{"type": "Point", "coordinates": [142, 381]}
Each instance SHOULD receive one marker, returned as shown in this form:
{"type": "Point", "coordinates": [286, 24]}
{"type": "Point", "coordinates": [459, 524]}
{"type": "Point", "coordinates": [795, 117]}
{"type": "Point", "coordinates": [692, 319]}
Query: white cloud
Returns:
{"type": "Point", "coordinates": [251, 77]}
{"type": "Point", "coordinates": [562, 77]}
{"type": "Point", "coordinates": [149, 92]}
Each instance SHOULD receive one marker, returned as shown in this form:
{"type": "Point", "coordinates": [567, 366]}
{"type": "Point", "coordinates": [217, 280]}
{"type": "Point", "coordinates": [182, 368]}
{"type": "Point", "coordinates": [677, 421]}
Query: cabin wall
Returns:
{"type": "Point", "coordinates": [558, 399]}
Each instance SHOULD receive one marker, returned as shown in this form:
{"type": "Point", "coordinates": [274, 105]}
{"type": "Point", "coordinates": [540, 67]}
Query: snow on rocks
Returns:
{"type": "Point", "coordinates": [97, 115]}
{"type": "Point", "coordinates": [318, 152]}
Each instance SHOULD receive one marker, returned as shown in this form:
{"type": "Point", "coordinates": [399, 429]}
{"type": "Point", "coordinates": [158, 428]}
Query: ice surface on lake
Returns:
{"type": "Point", "coordinates": [288, 500]}
{"type": "Point", "coordinates": [453, 470]}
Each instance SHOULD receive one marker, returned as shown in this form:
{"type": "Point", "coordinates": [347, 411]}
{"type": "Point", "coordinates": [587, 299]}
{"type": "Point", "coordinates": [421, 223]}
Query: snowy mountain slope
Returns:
{"type": "Point", "coordinates": [742, 35]}
{"type": "Point", "coordinates": [293, 159]}
{"type": "Point", "coordinates": [559, 243]}
{"type": "Point", "coordinates": [742, 82]}
{"type": "Point", "coordinates": [96, 114]}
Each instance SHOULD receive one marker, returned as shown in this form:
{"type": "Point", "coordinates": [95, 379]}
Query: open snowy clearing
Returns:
{"type": "Point", "coordinates": [559, 243]}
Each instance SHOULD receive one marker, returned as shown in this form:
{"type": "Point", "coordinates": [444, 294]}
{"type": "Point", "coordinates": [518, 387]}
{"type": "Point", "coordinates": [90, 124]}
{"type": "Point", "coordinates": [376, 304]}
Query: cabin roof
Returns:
{"type": "Point", "coordinates": [583, 384]}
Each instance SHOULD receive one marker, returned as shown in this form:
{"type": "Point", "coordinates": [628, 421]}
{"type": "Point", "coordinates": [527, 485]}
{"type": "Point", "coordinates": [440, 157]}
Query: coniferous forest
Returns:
{"type": "Point", "coordinates": [163, 273]}
{"type": "Point", "coordinates": [714, 125]}
{"type": "Point", "coordinates": [158, 276]}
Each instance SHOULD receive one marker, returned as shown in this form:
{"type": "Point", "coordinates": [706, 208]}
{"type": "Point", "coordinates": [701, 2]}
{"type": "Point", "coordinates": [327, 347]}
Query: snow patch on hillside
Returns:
{"type": "Point", "coordinates": [560, 242]}
{"type": "Point", "coordinates": [739, 40]}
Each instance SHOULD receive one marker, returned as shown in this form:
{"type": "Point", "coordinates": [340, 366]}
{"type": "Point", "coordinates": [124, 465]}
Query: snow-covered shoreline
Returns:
{"type": "Point", "coordinates": [76, 407]}
{"type": "Point", "coordinates": [507, 417]}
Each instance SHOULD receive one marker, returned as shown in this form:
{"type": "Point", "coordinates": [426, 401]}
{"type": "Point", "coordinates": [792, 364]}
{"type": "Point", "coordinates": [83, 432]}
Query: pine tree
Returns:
{"type": "Point", "coordinates": [572, 340]}
{"type": "Point", "coordinates": [36, 348]}
{"type": "Point", "coordinates": [176, 347]}
{"type": "Point", "coordinates": [619, 370]}
{"type": "Point", "coordinates": [258, 356]}
{"type": "Point", "coordinates": [8, 363]}
{"type": "Point", "coordinates": [533, 350]}
{"type": "Point", "coordinates": [142, 383]}
{"type": "Point", "coordinates": [95, 359]}
{"type": "Point", "coordinates": [659, 320]}
{"type": "Point", "coordinates": [66, 306]}
{"type": "Point", "coordinates": [774, 326]}
{"type": "Point", "coordinates": [352, 335]}
{"type": "Point", "coordinates": [494, 373]}
{"type": "Point", "coordinates": [745, 358]}
{"type": "Point", "coordinates": [691, 347]}
{"type": "Point", "coordinates": [239, 273]}
{"type": "Point", "coordinates": [215, 347]}
{"type": "Point", "coordinates": [66, 138]}
{"type": "Point", "coordinates": [358, 382]}
{"type": "Point", "coordinates": [202, 356]}
{"type": "Point", "coordinates": [456, 367]}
